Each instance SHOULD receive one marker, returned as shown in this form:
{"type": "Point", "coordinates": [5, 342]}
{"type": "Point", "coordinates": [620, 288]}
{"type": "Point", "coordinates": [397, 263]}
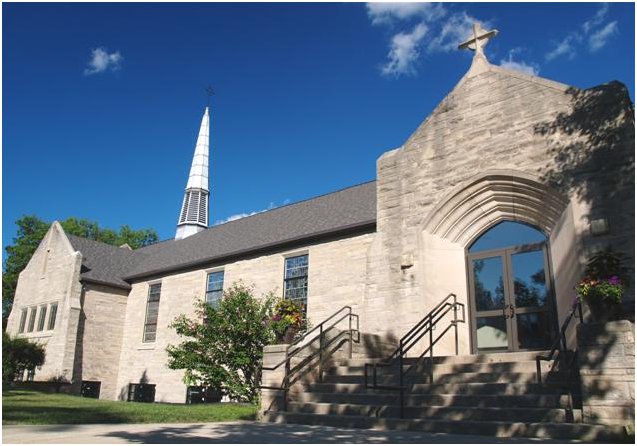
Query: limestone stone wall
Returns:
{"type": "Point", "coordinates": [607, 370]}
{"type": "Point", "coordinates": [337, 272]}
{"type": "Point", "coordinates": [100, 337]}
{"type": "Point", "coordinates": [501, 146]}
{"type": "Point", "coordinates": [51, 276]}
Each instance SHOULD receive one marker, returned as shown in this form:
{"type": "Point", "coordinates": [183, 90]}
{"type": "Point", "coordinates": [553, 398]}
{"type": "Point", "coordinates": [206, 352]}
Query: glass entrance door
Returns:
{"type": "Point", "coordinates": [511, 299]}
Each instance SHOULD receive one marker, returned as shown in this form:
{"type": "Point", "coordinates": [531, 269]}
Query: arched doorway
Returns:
{"type": "Point", "coordinates": [510, 292]}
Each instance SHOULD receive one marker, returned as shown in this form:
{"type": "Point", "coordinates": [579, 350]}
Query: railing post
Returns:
{"type": "Point", "coordinates": [351, 336]}
{"type": "Point", "coordinates": [321, 353]}
{"type": "Point", "coordinates": [563, 340]}
{"type": "Point", "coordinates": [400, 382]}
{"type": "Point", "coordinates": [455, 319]}
{"type": "Point", "coordinates": [431, 339]}
{"type": "Point", "coordinates": [286, 383]}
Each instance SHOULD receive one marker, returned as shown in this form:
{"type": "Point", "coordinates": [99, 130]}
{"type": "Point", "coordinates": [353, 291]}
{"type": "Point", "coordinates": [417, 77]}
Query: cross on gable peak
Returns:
{"type": "Point", "coordinates": [478, 40]}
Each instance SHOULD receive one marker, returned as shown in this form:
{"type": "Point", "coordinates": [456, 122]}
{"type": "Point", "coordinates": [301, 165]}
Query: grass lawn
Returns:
{"type": "Point", "coordinates": [31, 407]}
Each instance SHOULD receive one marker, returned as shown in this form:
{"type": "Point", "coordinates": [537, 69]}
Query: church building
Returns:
{"type": "Point", "coordinates": [498, 198]}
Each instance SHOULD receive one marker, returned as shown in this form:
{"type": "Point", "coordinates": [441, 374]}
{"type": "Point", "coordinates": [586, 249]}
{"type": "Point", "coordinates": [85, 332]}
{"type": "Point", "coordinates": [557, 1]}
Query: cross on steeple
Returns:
{"type": "Point", "coordinates": [209, 93]}
{"type": "Point", "coordinates": [479, 40]}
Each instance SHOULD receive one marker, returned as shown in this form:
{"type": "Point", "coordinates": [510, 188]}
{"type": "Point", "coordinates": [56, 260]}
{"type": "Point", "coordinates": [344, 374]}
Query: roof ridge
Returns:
{"type": "Point", "coordinates": [261, 213]}
{"type": "Point", "coordinates": [295, 203]}
{"type": "Point", "coordinates": [100, 243]}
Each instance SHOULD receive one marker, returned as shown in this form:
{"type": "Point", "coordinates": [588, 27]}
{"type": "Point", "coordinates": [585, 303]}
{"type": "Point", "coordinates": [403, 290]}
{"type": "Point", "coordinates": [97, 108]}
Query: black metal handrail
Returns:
{"type": "Point", "coordinates": [560, 345]}
{"type": "Point", "coordinates": [298, 345]}
{"type": "Point", "coordinates": [425, 326]}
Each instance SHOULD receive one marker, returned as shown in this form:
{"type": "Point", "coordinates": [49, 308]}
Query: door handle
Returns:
{"type": "Point", "coordinates": [504, 312]}
{"type": "Point", "coordinates": [511, 311]}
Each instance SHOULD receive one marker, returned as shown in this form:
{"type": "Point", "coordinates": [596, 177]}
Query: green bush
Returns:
{"type": "Point", "coordinates": [223, 345]}
{"type": "Point", "coordinates": [19, 354]}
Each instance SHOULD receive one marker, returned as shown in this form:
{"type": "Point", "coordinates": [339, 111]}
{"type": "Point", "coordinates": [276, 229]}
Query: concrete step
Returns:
{"type": "Point", "coordinates": [451, 378]}
{"type": "Point", "coordinates": [460, 359]}
{"type": "Point", "coordinates": [455, 388]}
{"type": "Point", "coordinates": [479, 367]}
{"type": "Point", "coordinates": [499, 401]}
{"type": "Point", "coordinates": [440, 412]}
{"type": "Point", "coordinates": [579, 431]}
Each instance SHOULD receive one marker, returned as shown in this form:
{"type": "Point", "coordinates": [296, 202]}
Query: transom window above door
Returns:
{"type": "Point", "coordinates": [505, 234]}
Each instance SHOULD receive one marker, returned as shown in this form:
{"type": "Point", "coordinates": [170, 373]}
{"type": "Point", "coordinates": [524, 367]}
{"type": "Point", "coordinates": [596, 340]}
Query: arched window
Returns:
{"type": "Point", "coordinates": [505, 234]}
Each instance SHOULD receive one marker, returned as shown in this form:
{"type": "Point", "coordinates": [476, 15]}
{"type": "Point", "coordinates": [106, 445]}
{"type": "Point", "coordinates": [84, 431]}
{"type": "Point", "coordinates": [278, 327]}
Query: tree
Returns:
{"type": "Point", "coordinates": [224, 344]}
{"type": "Point", "coordinates": [19, 354]}
{"type": "Point", "coordinates": [31, 231]}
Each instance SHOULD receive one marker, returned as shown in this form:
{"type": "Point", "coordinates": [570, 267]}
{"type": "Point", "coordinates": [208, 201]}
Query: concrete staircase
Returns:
{"type": "Point", "coordinates": [491, 394]}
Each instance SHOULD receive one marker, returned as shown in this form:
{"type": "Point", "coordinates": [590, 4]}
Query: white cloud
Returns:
{"type": "Point", "coordinates": [102, 61]}
{"type": "Point", "coordinates": [234, 217]}
{"type": "Point", "coordinates": [404, 52]}
{"type": "Point", "coordinates": [600, 38]}
{"type": "Point", "coordinates": [528, 68]}
{"type": "Point", "coordinates": [597, 19]}
{"type": "Point", "coordinates": [593, 29]}
{"type": "Point", "coordinates": [238, 216]}
{"type": "Point", "coordinates": [435, 29]}
{"type": "Point", "coordinates": [564, 48]}
{"type": "Point", "coordinates": [385, 13]}
{"type": "Point", "coordinates": [456, 29]}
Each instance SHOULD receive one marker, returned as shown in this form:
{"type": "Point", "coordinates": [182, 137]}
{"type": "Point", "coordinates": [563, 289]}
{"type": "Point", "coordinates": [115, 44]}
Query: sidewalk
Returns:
{"type": "Point", "coordinates": [229, 432]}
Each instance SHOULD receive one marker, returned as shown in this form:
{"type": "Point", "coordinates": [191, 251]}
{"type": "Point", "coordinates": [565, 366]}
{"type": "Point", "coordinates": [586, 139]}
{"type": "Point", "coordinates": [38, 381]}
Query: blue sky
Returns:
{"type": "Point", "coordinates": [102, 102]}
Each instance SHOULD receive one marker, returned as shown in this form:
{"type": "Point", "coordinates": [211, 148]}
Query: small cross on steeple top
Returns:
{"type": "Point", "coordinates": [479, 39]}
{"type": "Point", "coordinates": [209, 93]}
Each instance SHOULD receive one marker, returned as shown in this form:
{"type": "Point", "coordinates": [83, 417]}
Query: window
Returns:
{"type": "Point", "coordinates": [214, 288]}
{"type": "Point", "coordinates": [295, 281]}
{"type": "Point", "coordinates": [30, 374]}
{"type": "Point", "coordinates": [42, 319]}
{"type": "Point", "coordinates": [152, 311]}
{"type": "Point", "coordinates": [142, 393]}
{"type": "Point", "coordinates": [31, 326]}
{"type": "Point", "coordinates": [23, 320]}
{"type": "Point", "coordinates": [52, 315]}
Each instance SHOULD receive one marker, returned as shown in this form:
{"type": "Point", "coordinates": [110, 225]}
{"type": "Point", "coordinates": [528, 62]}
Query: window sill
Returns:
{"type": "Point", "coordinates": [149, 346]}
{"type": "Point", "coordinates": [33, 335]}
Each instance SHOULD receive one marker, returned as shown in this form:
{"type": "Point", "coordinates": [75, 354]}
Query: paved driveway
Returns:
{"type": "Point", "coordinates": [231, 432]}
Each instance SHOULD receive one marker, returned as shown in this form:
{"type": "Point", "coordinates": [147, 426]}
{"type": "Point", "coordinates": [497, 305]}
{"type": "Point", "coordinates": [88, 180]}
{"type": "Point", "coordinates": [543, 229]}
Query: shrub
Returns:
{"type": "Point", "coordinates": [223, 345]}
{"type": "Point", "coordinates": [19, 354]}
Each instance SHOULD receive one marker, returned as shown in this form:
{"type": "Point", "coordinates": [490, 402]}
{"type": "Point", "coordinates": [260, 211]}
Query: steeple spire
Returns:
{"type": "Point", "coordinates": [194, 210]}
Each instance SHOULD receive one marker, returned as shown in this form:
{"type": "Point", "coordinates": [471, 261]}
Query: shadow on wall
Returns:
{"type": "Point", "coordinates": [78, 361]}
{"type": "Point", "coordinates": [123, 392]}
{"type": "Point", "coordinates": [594, 156]}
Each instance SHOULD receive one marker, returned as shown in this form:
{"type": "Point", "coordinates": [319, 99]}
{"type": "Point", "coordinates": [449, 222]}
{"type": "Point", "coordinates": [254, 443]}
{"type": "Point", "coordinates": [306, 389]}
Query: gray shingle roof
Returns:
{"type": "Point", "coordinates": [346, 209]}
{"type": "Point", "coordinates": [103, 263]}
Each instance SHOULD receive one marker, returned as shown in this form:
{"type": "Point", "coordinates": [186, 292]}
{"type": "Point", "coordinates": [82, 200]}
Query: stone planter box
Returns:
{"type": "Point", "coordinates": [607, 368]}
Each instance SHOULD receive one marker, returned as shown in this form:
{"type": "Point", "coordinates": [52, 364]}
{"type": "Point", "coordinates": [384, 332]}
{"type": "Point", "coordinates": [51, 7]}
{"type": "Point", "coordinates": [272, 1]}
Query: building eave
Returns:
{"type": "Point", "coordinates": [358, 228]}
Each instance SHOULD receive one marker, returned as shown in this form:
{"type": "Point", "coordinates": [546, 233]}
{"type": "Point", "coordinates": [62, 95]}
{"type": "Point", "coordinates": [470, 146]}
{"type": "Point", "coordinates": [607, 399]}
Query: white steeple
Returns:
{"type": "Point", "coordinates": [194, 210]}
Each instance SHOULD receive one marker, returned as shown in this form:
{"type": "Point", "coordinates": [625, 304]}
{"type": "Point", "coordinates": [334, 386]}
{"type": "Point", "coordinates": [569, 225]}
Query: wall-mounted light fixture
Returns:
{"type": "Point", "coordinates": [599, 226]}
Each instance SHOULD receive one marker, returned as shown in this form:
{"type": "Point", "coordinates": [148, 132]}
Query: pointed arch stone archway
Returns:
{"type": "Point", "coordinates": [473, 207]}
{"type": "Point", "coordinates": [483, 201]}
